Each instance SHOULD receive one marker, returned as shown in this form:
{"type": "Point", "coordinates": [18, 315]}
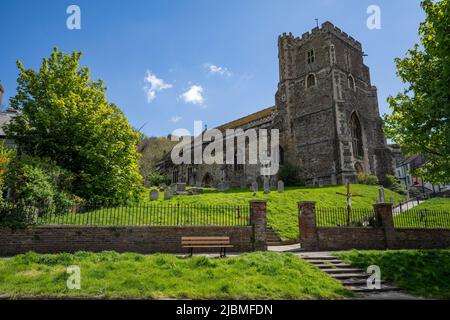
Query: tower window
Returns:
{"type": "Point", "coordinates": [311, 56]}
{"type": "Point", "coordinates": [310, 81]}
{"type": "Point", "coordinates": [357, 143]}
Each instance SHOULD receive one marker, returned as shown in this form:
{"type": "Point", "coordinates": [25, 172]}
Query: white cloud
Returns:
{"type": "Point", "coordinates": [194, 95]}
{"type": "Point", "coordinates": [153, 85]}
{"type": "Point", "coordinates": [213, 69]}
{"type": "Point", "coordinates": [175, 119]}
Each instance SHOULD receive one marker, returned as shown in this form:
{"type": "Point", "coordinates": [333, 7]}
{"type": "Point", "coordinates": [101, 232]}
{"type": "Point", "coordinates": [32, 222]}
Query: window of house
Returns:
{"type": "Point", "coordinates": [357, 142]}
{"type": "Point", "coordinates": [310, 81]}
{"type": "Point", "coordinates": [311, 56]}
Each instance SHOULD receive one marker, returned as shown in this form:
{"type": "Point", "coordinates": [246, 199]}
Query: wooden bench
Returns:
{"type": "Point", "coordinates": [206, 242]}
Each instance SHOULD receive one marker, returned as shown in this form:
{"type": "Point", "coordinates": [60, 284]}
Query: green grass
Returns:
{"type": "Point", "coordinates": [438, 215]}
{"type": "Point", "coordinates": [424, 273]}
{"type": "Point", "coordinates": [442, 204]}
{"type": "Point", "coordinates": [260, 275]}
{"type": "Point", "coordinates": [282, 207]}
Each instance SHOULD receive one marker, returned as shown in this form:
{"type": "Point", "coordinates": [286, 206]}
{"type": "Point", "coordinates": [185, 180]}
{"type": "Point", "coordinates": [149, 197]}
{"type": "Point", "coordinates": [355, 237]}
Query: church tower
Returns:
{"type": "Point", "coordinates": [327, 108]}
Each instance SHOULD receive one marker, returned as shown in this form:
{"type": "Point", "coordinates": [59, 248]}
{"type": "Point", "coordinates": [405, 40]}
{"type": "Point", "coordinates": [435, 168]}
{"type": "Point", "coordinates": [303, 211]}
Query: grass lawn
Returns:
{"type": "Point", "coordinates": [424, 273]}
{"type": "Point", "coordinates": [442, 204]}
{"type": "Point", "coordinates": [418, 217]}
{"type": "Point", "coordinates": [282, 207]}
{"type": "Point", "coordinates": [260, 275]}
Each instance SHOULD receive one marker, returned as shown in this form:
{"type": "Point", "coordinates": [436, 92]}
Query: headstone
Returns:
{"type": "Point", "coordinates": [168, 194]}
{"type": "Point", "coordinates": [255, 186]}
{"type": "Point", "coordinates": [280, 186]}
{"type": "Point", "coordinates": [243, 183]}
{"type": "Point", "coordinates": [273, 182]}
{"type": "Point", "coordinates": [266, 186]}
{"type": "Point", "coordinates": [180, 187]}
{"type": "Point", "coordinates": [221, 186]}
{"type": "Point", "coordinates": [392, 200]}
{"type": "Point", "coordinates": [381, 195]}
{"type": "Point", "coordinates": [154, 195]}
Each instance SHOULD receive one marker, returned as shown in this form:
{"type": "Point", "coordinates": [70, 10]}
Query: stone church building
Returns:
{"type": "Point", "coordinates": [326, 110]}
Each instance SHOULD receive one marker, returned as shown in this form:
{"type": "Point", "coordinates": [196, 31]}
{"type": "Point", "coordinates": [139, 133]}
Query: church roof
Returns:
{"type": "Point", "coordinates": [247, 119]}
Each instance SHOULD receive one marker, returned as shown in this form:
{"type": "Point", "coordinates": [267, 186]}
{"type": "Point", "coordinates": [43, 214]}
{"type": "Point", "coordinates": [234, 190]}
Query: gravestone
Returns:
{"type": "Point", "coordinates": [243, 183]}
{"type": "Point", "coordinates": [280, 186]}
{"type": "Point", "coordinates": [168, 194]}
{"type": "Point", "coordinates": [392, 200]}
{"type": "Point", "coordinates": [255, 186]}
{"type": "Point", "coordinates": [154, 195]}
{"type": "Point", "coordinates": [381, 198]}
{"type": "Point", "coordinates": [180, 187]}
{"type": "Point", "coordinates": [221, 187]}
{"type": "Point", "coordinates": [266, 186]}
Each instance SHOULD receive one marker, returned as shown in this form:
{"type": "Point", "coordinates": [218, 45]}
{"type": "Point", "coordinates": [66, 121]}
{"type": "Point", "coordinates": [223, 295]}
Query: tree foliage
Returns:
{"type": "Point", "coordinates": [420, 119]}
{"type": "Point", "coordinates": [65, 116]}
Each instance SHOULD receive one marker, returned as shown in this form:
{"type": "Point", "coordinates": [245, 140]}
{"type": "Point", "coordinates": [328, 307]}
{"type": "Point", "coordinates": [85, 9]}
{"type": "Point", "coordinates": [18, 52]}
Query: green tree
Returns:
{"type": "Point", "coordinates": [65, 116]}
{"type": "Point", "coordinates": [420, 119]}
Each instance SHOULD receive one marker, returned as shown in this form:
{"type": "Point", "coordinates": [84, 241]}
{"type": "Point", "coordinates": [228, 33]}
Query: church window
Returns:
{"type": "Point", "coordinates": [357, 143]}
{"type": "Point", "coordinates": [351, 82]}
{"type": "Point", "coordinates": [311, 56]}
{"type": "Point", "coordinates": [310, 81]}
{"type": "Point", "coordinates": [281, 160]}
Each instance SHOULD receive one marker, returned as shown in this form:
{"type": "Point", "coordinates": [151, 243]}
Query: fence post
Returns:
{"type": "Point", "coordinates": [258, 220]}
{"type": "Point", "coordinates": [307, 225]}
{"type": "Point", "coordinates": [383, 213]}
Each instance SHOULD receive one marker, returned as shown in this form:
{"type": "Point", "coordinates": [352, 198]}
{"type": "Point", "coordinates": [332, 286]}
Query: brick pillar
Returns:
{"type": "Point", "coordinates": [383, 212]}
{"type": "Point", "coordinates": [258, 220]}
{"type": "Point", "coordinates": [307, 225]}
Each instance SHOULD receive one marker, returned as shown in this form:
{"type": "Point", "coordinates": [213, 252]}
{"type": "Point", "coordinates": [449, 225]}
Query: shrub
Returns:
{"type": "Point", "coordinates": [394, 184]}
{"type": "Point", "coordinates": [291, 175]}
{"type": "Point", "coordinates": [17, 215]}
{"type": "Point", "coordinates": [364, 178]}
{"type": "Point", "coordinates": [40, 183]}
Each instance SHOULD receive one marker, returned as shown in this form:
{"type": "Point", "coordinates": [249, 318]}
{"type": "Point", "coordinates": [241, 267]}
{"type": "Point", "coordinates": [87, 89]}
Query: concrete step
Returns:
{"type": "Point", "coordinates": [342, 270]}
{"type": "Point", "coordinates": [355, 282]}
{"type": "Point", "coordinates": [306, 257]}
{"type": "Point", "coordinates": [363, 289]}
{"type": "Point", "coordinates": [333, 265]}
{"type": "Point", "coordinates": [318, 262]}
{"type": "Point", "coordinates": [341, 276]}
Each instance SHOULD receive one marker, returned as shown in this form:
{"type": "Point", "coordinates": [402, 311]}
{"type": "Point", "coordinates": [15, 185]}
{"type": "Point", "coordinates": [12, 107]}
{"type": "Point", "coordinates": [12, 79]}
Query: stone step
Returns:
{"type": "Point", "coordinates": [340, 276]}
{"type": "Point", "coordinates": [274, 244]}
{"type": "Point", "coordinates": [316, 262]}
{"type": "Point", "coordinates": [332, 265]}
{"type": "Point", "coordinates": [319, 258]}
{"type": "Point", "coordinates": [355, 282]}
{"type": "Point", "coordinates": [342, 270]}
{"type": "Point", "coordinates": [362, 289]}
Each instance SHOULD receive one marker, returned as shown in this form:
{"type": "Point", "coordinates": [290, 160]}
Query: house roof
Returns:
{"type": "Point", "coordinates": [247, 119]}
{"type": "Point", "coordinates": [5, 118]}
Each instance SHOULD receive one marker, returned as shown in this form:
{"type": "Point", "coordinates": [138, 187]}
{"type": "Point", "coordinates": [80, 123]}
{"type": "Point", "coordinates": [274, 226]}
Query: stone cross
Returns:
{"type": "Point", "coordinates": [349, 196]}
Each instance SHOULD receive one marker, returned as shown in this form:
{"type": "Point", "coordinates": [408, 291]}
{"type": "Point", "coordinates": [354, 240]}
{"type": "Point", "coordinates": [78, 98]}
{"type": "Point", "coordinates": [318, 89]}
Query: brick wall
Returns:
{"type": "Point", "coordinates": [383, 237]}
{"type": "Point", "coordinates": [56, 239]}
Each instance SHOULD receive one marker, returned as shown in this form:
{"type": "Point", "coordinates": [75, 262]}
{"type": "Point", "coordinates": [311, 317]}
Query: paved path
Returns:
{"type": "Point", "coordinates": [405, 206]}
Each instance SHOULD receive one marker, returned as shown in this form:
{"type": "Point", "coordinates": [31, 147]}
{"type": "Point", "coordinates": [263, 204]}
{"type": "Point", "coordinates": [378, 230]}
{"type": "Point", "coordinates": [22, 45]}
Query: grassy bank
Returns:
{"type": "Point", "coordinates": [424, 273]}
{"type": "Point", "coordinates": [282, 207]}
{"type": "Point", "coordinates": [442, 204]}
{"type": "Point", "coordinates": [111, 275]}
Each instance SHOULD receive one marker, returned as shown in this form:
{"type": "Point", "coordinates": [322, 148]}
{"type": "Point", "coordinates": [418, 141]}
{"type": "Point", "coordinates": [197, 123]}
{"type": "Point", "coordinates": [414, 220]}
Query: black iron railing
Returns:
{"type": "Point", "coordinates": [343, 217]}
{"type": "Point", "coordinates": [148, 214]}
{"type": "Point", "coordinates": [422, 218]}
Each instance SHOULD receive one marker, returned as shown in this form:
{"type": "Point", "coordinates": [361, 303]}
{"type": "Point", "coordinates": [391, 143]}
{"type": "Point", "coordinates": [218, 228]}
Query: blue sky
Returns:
{"type": "Point", "coordinates": [208, 60]}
